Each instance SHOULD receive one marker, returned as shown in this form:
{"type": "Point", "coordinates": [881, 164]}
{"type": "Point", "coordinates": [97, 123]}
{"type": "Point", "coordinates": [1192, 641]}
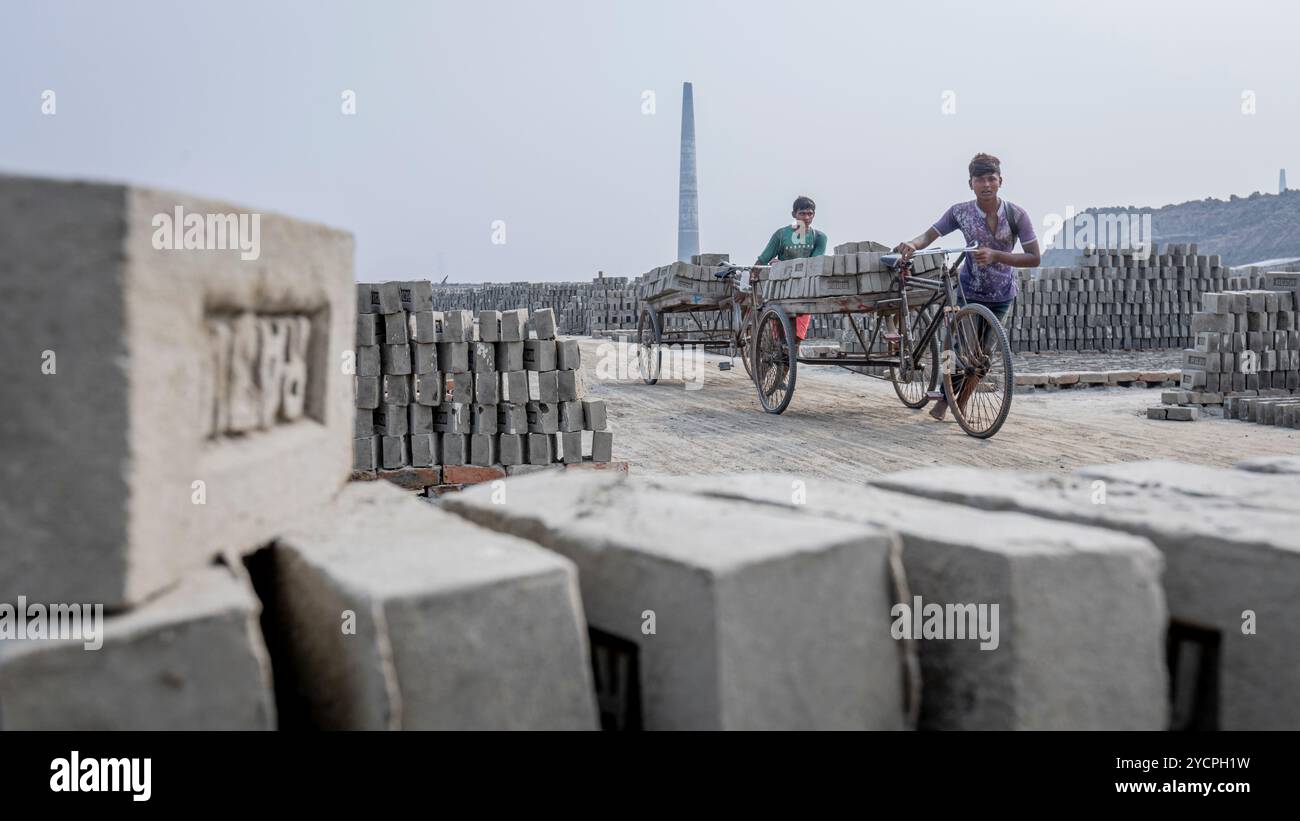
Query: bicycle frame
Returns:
{"type": "Point", "coordinates": [944, 289]}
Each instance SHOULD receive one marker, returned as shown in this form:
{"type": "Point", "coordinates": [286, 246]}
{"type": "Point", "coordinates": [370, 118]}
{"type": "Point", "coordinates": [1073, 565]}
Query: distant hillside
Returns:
{"type": "Point", "coordinates": [1240, 230]}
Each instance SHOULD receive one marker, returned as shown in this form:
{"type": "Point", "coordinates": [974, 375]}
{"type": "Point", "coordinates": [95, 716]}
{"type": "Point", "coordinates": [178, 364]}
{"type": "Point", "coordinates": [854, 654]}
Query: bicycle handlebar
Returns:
{"type": "Point", "coordinates": [732, 269]}
{"type": "Point", "coordinates": [927, 251]}
{"type": "Point", "coordinates": [894, 260]}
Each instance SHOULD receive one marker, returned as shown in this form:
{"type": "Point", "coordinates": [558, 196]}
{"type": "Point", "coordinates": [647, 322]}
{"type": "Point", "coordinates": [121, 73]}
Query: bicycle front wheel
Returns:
{"type": "Point", "coordinates": [776, 359]}
{"type": "Point", "coordinates": [744, 329]}
{"type": "Point", "coordinates": [977, 374]}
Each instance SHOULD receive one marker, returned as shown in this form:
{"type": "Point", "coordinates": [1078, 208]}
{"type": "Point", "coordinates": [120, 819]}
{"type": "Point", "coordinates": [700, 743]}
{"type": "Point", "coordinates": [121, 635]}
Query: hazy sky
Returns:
{"type": "Point", "coordinates": [532, 114]}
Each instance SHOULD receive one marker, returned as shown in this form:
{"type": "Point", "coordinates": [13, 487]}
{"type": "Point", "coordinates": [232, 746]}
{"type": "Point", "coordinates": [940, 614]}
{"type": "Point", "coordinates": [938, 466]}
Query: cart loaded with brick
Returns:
{"type": "Point", "coordinates": [692, 305]}
{"type": "Point", "coordinates": [900, 314]}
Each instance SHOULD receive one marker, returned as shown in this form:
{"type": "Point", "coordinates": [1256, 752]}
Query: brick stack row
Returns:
{"type": "Point", "coordinates": [605, 303]}
{"type": "Point", "coordinates": [615, 303]}
{"type": "Point", "coordinates": [1114, 299]}
{"type": "Point", "coordinates": [1246, 356]}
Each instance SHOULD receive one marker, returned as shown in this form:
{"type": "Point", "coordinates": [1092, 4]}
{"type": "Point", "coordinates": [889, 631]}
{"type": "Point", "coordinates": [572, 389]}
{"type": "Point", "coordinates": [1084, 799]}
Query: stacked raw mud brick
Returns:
{"type": "Point", "coordinates": [841, 274]}
{"type": "Point", "coordinates": [694, 277]}
{"type": "Point", "coordinates": [1246, 356]}
{"type": "Point", "coordinates": [613, 305]}
{"type": "Point", "coordinates": [861, 259]}
{"type": "Point", "coordinates": [444, 389]}
{"type": "Point", "coordinates": [688, 277]}
{"type": "Point", "coordinates": [567, 299]}
{"type": "Point", "coordinates": [605, 303]}
{"type": "Point", "coordinates": [1114, 299]}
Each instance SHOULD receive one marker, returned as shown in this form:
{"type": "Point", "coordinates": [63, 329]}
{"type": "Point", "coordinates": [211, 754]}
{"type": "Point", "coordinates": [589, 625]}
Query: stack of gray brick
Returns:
{"type": "Point", "coordinates": [1114, 299]}
{"type": "Point", "coordinates": [596, 307]}
{"type": "Point", "coordinates": [454, 388]}
{"type": "Point", "coordinates": [1246, 356]}
{"type": "Point", "coordinates": [615, 304]}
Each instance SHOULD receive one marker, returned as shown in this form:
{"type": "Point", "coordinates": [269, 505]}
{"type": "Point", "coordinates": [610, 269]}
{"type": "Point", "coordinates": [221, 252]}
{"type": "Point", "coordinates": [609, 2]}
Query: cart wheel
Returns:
{"type": "Point", "coordinates": [979, 358]}
{"type": "Point", "coordinates": [775, 359]}
{"type": "Point", "coordinates": [648, 346]}
{"type": "Point", "coordinates": [744, 325]}
{"type": "Point", "coordinates": [913, 383]}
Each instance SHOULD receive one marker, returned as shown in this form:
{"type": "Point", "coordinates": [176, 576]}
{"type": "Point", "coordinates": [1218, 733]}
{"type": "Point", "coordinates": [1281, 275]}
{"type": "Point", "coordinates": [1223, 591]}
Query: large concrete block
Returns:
{"type": "Point", "coordinates": [425, 358]}
{"type": "Point", "coordinates": [366, 454]}
{"type": "Point", "coordinates": [509, 356]}
{"type": "Point", "coordinates": [206, 377]}
{"type": "Point", "coordinates": [539, 355]}
{"type": "Point", "coordinates": [759, 620]}
{"type": "Point", "coordinates": [395, 329]}
{"type": "Point", "coordinates": [1231, 541]}
{"type": "Point", "coordinates": [593, 414]}
{"type": "Point", "coordinates": [1076, 641]}
{"type": "Point", "coordinates": [514, 386]}
{"type": "Point", "coordinates": [514, 325]}
{"type": "Point", "coordinates": [191, 659]}
{"type": "Point", "coordinates": [487, 388]}
{"type": "Point", "coordinates": [512, 418]}
{"type": "Point", "coordinates": [542, 323]}
{"type": "Point", "coordinates": [568, 356]}
{"type": "Point", "coordinates": [489, 325]}
{"type": "Point", "coordinates": [602, 446]}
{"type": "Point", "coordinates": [456, 627]}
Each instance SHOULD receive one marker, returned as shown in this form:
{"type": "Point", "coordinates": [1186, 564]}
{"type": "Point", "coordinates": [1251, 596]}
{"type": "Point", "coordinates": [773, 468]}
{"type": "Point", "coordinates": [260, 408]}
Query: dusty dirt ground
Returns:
{"type": "Point", "coordinates": [841, 425]}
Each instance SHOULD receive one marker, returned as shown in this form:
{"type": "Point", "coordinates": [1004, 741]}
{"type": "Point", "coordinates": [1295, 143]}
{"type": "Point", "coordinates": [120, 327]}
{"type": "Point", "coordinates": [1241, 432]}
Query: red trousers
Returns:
{"type": "Point", "coordinates": [801, 326]}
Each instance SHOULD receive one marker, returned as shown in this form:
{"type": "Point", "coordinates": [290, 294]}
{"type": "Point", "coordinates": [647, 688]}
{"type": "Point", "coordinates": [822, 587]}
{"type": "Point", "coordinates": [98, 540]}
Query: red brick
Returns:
{"type": "Point", "coordinates": [471, 474]}
{"type": "Point", "coordinates": [438, 490]}
{"type": "Point", "coordinates": [363, 476]}
{"type": "Point", "coordinates": [413, 478]}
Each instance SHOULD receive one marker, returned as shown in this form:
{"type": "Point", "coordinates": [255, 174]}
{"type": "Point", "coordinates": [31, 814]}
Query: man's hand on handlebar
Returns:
{"type": "Point", "coordinates": [906, 249]}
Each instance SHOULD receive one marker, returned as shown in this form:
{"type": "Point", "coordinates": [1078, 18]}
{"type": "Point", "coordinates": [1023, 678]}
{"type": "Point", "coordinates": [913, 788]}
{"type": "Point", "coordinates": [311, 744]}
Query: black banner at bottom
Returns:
{"type": "Point", "coordinates": [184, 770]}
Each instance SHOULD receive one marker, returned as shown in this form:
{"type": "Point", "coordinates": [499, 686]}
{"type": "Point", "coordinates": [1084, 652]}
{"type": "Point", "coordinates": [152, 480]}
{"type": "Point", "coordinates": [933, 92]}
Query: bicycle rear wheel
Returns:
{"type": "Point", "coordinates": [648, 350]}
{"type": "Point", "coordinates": [978, 378]}
{"type": "Point", "coordinates": [915, 380]}
{"type": "Point", "coordinates": [775, 359]}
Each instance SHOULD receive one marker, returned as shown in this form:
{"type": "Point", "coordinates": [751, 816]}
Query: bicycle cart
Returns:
{"type": "Point", "coordinates": [719, 314]}
{"type": "Point", "coordinates": [900, 334]}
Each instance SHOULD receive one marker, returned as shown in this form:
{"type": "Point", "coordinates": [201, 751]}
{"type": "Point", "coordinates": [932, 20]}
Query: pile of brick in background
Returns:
{"type": "Point", "coordinates": [566, 299]}
{"type": "Point", "coordinates": [1247, 354]}
{"type": "Point", "coordinates": [441, 394]}
{"type": "Point", "coordinates": [1114, 299]}
{"type": "Point", "coordinates": [615, 303]}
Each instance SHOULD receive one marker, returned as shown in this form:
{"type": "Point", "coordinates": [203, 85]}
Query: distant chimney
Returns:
{"type": "Point", "coordinates": [1281, 181]}
{"type": "Point", "coordinates": [688, 196]}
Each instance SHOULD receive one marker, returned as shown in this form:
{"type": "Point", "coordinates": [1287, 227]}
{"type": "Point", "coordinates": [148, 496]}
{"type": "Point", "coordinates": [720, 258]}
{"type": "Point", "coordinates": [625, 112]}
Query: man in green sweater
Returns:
{"type": "Point", "coordinates": [796, 241]}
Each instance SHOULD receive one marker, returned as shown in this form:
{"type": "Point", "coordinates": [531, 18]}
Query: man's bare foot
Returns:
{"type": "Point", "coordinates": [939, 411]}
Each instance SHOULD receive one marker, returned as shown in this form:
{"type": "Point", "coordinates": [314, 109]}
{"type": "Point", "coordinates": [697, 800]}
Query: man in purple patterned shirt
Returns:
{"type": "Point", "coordinates": [994, 225]}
